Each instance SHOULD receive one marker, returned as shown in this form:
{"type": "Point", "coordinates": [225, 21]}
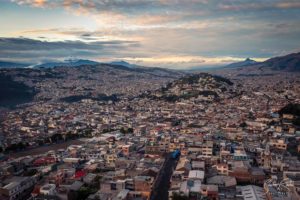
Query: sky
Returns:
{"type": "Point", "coordinates": [177, 34]}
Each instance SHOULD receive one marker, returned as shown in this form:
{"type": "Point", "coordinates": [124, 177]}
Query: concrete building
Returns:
{"type": "Point", "coordinates": [16, 188]}
{"type": "Point", "coordinates": [48, 189]}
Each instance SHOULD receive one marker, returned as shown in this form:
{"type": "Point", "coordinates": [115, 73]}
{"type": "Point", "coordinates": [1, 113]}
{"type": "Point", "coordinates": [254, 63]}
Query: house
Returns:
{"type": "Point", "coordinates": [89, 179]}
{"type": "Point", "coordinates": [222, 181]}
{"type": "Point", "coordinates": [74, 188]}
{"type": "Point", "coordinates": [210, 191]}
{"type": "Point", "coordinates": [207, 149]}
{"type": "Point", "coordinates": [48, 189]}
{"type": "Point", "coordinates": [16, 188]}
{"type": "Point", "coordinates": [222, 168]}
{"type": "Point", "coordinates": [198, 165]}
{"type": "Point", "coordinates": [196, 175]}
{"type": "Point", "coordinates": [278, 144]}
{"type": "Point", "coordinates": [126, 149]}
{"type": "Point", "coordinates": [143, 184]}
{"type": "Point", "coordinates": [252, 192]}
{"type": "Point", "coordinates": [241, 171]}
{"type": "Point", "coordinates": [190, 188]}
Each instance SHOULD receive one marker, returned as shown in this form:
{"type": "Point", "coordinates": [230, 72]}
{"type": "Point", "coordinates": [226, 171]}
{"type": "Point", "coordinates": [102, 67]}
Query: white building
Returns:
{"type": "Point", "coordinates": [196, 175]}
{"type": "Point", "coordinates": [48, 189]}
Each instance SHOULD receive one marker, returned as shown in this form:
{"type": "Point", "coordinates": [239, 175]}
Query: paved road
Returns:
{"type": "Point", "coordinates": [162, 183]}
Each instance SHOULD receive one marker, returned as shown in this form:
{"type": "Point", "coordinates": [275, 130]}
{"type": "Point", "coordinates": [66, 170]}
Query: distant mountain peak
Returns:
{"type": "Point", "coordinates": [67, 63]}
{"type": "Point", "coordinates": [246, 62]}
{"type": "Point", "coordinates": [123, 63]}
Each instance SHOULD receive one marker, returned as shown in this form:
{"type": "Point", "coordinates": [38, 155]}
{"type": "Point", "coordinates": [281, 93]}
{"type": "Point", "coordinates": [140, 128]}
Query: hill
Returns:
{"type": "Point", "coordinates": [287, 63]}
{"type": "Point", "coordinates": [13, 93]}
{"type": "Point", "coordinates": [293, 109]}
{"type": "Point", "coordinates": [247, 62]}
{"type": "Point", "coordinates": [123, 63]}
{"type": "Point", "coordinates": [200, 87]}
{"type": "Point", "coordinates": [100, 82]}
{"type": "Point", "coordinates": [67, 63]}
{"type": "Point", "coordinates": [4, 64]}
{"type": "Point", "coordinates": [290, 62]}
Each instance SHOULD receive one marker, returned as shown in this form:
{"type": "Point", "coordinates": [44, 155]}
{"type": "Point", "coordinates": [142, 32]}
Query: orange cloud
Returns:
{"type": "Point", "coordinates": [286, 5]}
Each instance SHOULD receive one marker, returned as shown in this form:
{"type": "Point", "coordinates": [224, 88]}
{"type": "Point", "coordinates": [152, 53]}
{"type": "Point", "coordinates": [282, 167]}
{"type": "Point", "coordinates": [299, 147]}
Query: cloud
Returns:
{"type": "Point", "coordinates": [160, 6]}
{"type": "Point", "coordinates": [190, 32]}
{"type": "Point", "coordinates": [33, 50]}
{"type": "Point", "coordinates": [163, 13]}
{"type": "Point", "coordinates": [288, 5]}
{"type": "Point", "coordinates": [24, 44]}
{"type": "Point", "coordinates": [34, 3]}
{"type": "Point", "coordinates": [252, 5]}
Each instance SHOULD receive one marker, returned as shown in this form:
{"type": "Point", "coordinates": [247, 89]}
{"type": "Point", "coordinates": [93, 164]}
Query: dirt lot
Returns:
{"type": "Point", "coordinates": [43, 149]}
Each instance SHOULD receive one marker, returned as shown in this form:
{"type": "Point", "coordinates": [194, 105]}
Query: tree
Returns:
{"type": "Point", "coordinates": [84, 192]}
{"type": "Point", "coordinates": [122, 130]}
{"type": "Point", "coordinates": [88, 132]}
{"type": "Point", "coordinates": [40, 142]}
{"type": "Point", "coordinates": [130, 130]}
{"type": "Point", "coordinates": [179, 197]}
{"type": "Point", "coordinates": [126, 131]}
{"type": "Point", "coordinates": [243, 125]}
{"type": "Point", "coordinates": [30, 172]}
{"type": "Point", "coordinates": [296, 121]}
{"type": "Point", "coordinates": [15, 147]}
{"type": "Point", "coordinates": [56, 137]}
{"type": "Point", "coordinates": [98, 179]}
{"type": "Point", "coordinates": [20, 146]}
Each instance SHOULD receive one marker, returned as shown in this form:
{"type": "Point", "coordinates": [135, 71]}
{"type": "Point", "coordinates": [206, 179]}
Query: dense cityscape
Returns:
{"type": "Point", "coordinates": [237, 138]}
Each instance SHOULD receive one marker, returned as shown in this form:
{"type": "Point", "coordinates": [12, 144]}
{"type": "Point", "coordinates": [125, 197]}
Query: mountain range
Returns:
{"type": "Point", "coordinates": [66, 63]}
{"type": "Point", "coordinates": [4, 64]}
{"type": "Point", "coordinates": [123, 63]}
{"type": "Point", "coordinates": [290, 62]}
